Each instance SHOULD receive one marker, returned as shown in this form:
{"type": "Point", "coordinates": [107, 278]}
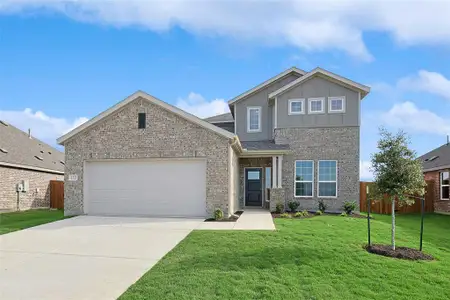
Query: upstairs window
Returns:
{"type": "Point", "coordinates": [445, 185]}
{"type": "Point", "coordinates": [296, 106]}
{"type": "Point", "coordinates": [254, 119]}
{"type": "Point", "coordinates": [141, 120]}
{"type": "Point", "coordinates": [336, 104]}
{"type": "Point", "coordinates": [315, 105]}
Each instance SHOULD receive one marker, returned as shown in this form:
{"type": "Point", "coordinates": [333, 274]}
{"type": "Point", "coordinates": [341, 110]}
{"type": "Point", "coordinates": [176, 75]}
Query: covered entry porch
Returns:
{"type": "Point", "coordinates": [261, 175]}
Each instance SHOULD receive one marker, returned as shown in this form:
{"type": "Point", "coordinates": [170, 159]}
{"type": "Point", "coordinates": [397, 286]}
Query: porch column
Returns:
{"type": "Point", "coordinates": [274, 172]}
{"type": "Point", "coordinates": [280, 168]}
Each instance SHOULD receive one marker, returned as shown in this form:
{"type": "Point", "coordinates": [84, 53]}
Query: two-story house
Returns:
{"type": "Point", "coordinates": [294, 137]}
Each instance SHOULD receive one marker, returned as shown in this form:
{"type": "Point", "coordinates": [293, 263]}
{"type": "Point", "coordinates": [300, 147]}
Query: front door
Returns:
{"type": "Point", "coordinates": [253, 187]}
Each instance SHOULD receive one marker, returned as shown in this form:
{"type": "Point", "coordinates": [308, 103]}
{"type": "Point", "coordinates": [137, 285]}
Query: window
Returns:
{"type": "Point", "coordinates": [268, 177]}
{"type": "Point", "coordinates": [336, 104]}
{"type": "Point", "coordinates": [444, 185]}
{"type": "Point", "coordinates": [327, 178]}
{"type": "Point", "coordinates": [296, 106]}
{"type": "Point", "coordinates": [253, 119]}
{"type": "Point", "coordinates": [315, 105]}
{"type": "Point", "coordinates": [141, 120]}
{"type": "Point", "coordinates": [304, 178]}
{"type": "Point", "coordinates": [253, 175]}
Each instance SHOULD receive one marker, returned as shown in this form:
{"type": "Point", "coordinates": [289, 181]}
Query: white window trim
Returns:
{"type": "Point", "coordinates": [442, 185]}
{"type": "Point", "coordinates": [316, 99]}
{"type": "Point", "coordinates": [295, 181]}
{"type": "Point", "coordinates": [318, 179]}
{"type": "Point", "coordinates": [290, 112]}
{"type": "Point", "coordinates": [330, 110]}
{"type": "Point", "coordinates": [249, 108]}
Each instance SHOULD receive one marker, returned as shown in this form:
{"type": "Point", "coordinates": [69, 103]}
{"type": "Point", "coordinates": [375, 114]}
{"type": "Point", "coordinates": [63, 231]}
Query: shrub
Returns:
{"type": "Point", "coordinates": [319, 212]}
{"type": "Point", "coordinates": [299, 214]}
{"type": "Point", "coordinates": [279, 207]}
{"type": "Point", "coordinates": [305, 213]}
{"type": "Point", "coordinates": [344, 214]}
{"type": "Point", "coordinates": [349, 207]}
{"type": "Point", "coordinates": [322, 206]}
{"type": "Point", "coordinates": [293, 205]}
{"type": "Point", "coordinates": [218, 214]}
{"type": "Point", "coordinates": [285, 215]}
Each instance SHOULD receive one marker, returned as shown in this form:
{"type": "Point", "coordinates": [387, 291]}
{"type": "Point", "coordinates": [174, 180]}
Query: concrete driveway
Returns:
{"type": "Point", "coordinates": [85, 257]}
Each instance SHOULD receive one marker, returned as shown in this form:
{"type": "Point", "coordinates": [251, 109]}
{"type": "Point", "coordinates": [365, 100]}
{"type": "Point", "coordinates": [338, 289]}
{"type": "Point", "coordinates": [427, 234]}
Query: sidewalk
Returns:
{"type": "Point", "coordinates": [251, 219]}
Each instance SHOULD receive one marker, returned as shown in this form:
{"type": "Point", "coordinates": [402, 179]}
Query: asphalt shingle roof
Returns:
{"type": "Point", "coordinates": [263, 145]}
{"type": "Point", "coordinates": [227, 117]}
{"type": "Point", "coordinates": [17, 148]}
{"type": "Point", "coordinates": [442, 158]}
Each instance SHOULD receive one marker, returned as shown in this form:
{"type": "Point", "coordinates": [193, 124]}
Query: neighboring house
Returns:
{"type": "Point", "coordinates": [27, 162]}
{"type": "Point", "coordinates": [293, 137]}
{"type": "Point", "coordinates": [436, 167]}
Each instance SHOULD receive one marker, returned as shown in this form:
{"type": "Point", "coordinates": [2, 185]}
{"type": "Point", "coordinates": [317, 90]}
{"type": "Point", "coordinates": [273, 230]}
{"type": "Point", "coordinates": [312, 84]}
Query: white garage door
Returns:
{"type": "Point", "coordinates": [146, 188]}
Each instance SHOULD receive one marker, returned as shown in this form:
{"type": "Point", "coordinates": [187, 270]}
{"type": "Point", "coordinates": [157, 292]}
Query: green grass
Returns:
{"type": "Point", "coordinates": [24, 219]}
{"type": "Point", "coordinates": [317, 258]}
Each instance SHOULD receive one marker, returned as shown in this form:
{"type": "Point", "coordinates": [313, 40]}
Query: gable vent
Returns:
{"type": "Point", "coordinates": [38, 157]}
{"type": "Point", "coordinates": [3, 150]}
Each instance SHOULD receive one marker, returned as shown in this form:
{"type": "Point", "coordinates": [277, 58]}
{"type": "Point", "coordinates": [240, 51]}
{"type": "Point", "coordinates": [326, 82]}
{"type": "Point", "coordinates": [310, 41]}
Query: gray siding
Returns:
{"type": "Point", "coordinates": [318, 87]}
{"type": "Point", "coordinates": [258, 99]}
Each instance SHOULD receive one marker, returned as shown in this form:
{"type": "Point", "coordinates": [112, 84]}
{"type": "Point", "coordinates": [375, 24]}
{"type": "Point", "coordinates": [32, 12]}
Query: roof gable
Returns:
{"type": "Point", "coordinates": [20, 150]}
{"type": "Point", "coordinates": [364, 90]}
{"type": "Point", "coordinates": [266, 83]}
{"type": "Point", "coordinates": [153, 100]}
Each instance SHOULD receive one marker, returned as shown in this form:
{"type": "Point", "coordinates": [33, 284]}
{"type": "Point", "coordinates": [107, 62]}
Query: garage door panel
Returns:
{"type": "Point", "coordinates": [154, 188]}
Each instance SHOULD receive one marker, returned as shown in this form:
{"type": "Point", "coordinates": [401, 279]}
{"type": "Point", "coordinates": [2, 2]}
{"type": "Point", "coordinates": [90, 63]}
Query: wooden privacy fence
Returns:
{"type": "Point", "coordinates": [384, 207]}
{"type": "Point", "coordinates": [56, 194]}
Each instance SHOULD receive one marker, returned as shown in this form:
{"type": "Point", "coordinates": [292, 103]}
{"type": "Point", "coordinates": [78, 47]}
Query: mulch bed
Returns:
{"type": "Point", "coordinates": [399, 252]}
{"type": "Point", "coordinates": [313, 214]}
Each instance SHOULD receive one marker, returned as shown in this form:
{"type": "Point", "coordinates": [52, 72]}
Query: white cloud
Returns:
{"type": "Point", "coordinates": [365, 172]}
{"type": "Point", "coordinates": [408, 116]}
{"type": "Point", "coordinates": [197, 105]}
{"type": "Point", "coordinates": [309, 25]}
{"type": "Point", "coordinates": [426, 81]}
{"type": "Point", "coordinates": [42, 126]}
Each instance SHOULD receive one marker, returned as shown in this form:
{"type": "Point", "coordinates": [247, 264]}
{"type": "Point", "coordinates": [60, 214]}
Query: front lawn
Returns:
{"type": "Point", "coordinates": [316, 258]}
{"type": "Point", "coordinates": [23, 219]}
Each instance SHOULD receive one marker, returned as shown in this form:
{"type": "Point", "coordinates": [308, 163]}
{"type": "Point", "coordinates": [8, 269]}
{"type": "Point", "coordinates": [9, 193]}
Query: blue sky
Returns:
{"type": "Point", "coordinates": [61, 63]}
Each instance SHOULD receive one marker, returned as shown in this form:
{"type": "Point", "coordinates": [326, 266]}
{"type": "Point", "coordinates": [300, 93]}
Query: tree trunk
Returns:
{"type": "Point", "coordinates": [393, 224]}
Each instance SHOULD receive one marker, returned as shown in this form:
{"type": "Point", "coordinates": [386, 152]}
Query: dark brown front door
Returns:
{"type": "Point", "coordinates": [253, 187]}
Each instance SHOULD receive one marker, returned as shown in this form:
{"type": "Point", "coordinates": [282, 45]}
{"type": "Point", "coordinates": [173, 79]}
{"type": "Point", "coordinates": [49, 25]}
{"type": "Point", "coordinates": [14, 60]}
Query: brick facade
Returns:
{"type": "Point", "coordinates": [439, 205]}
{"type": "Point", "coordinates": [337, 143]}
{"type": "Point", "coordinates": [38, 194]}
{"type": "Point", "coordinates": [167, 135]}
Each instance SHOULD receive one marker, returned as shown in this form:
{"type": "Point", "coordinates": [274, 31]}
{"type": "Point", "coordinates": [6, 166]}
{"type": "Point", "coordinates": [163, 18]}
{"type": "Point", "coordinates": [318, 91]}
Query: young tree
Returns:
{"type": "Point", "coordinates": [397, 172]}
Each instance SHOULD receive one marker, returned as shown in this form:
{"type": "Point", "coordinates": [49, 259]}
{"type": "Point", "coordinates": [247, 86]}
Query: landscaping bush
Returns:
{"type": "Point", "coordinates": [285, 215]}
{"type": "Point", "coordinates": [298, 214]}
{"type": "Point", "coordinates": [305, 213]}
{"type": "Point", "coordinates": [322, 206]}
{"type": "Point", "coordinates": [349, 207]}
{"type": "Point", "coordinates": [319, 212]}
{"type": "Point", "coordinates": [218, 214]}
{"type": "Point", "coordinates": [279, 208]}
{"type": "Point", "coordinates": [293, 205]}
{"type": "Point", "coordinates": [344, 214]}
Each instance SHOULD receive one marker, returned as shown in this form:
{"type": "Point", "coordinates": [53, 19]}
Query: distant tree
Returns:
{"type": "Point", "coordinates": [397, 172]}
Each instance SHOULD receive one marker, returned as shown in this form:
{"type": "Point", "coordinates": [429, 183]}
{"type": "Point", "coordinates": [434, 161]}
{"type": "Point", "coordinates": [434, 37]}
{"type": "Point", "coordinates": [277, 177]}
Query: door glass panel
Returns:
{"type": "Point", "coordinates": [268, 177]}
{"type": "Point", "coordinates": [253, 175]}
